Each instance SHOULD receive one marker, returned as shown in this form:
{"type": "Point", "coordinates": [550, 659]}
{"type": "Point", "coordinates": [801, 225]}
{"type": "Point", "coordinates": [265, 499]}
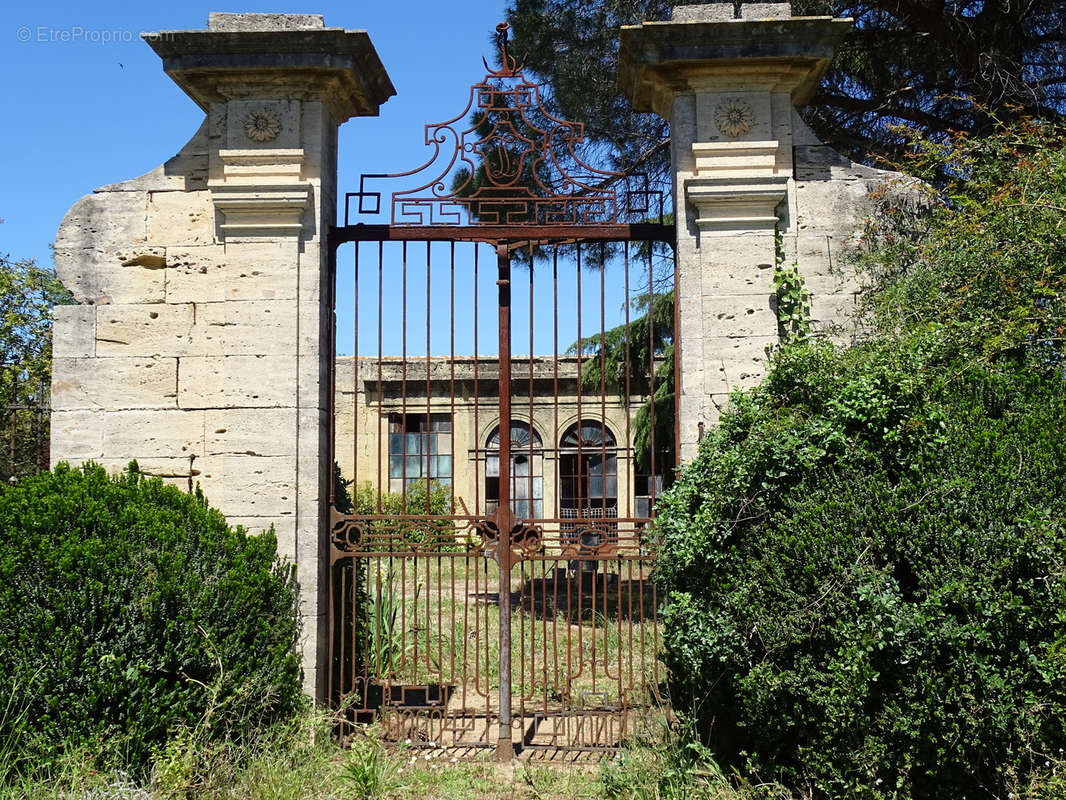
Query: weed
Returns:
{"type": "Point", "coordinates": [370, 773]}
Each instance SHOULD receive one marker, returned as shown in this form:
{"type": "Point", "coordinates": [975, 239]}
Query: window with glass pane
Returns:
{"type": "Point", "coordinates": [588, 471]}
{"type": "Point", "coordinates": [648, 489]}
{"type": "Point", "coordinates": [420, 446]}
{"type": "Point", "coordinates": [527, 470]}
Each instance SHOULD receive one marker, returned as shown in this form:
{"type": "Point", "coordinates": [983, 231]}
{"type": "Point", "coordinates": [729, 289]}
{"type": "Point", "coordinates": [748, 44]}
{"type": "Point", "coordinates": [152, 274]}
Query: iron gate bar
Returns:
{"type": "Point", "coordinates": [504, 517]}
{"type": "Point", "coordinates": [497, 234]}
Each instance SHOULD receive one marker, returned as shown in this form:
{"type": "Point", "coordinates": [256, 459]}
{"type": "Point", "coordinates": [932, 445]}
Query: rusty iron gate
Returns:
{"type": "Point", "coordinates": [506, 423]}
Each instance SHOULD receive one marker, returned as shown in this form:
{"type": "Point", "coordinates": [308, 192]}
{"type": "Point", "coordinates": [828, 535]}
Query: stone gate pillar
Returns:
{"type": "Point", "coordinates": [202, 342]}
{"type": "Point", "coordinates": [746, 169]}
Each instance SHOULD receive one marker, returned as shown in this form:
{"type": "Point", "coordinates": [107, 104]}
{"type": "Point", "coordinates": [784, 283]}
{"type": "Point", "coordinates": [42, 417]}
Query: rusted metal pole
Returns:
{"type": "Point", "coordinates": [504, 517]}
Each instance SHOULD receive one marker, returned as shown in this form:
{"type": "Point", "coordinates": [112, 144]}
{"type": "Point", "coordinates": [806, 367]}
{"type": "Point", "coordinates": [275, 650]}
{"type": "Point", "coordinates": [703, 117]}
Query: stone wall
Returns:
{"type": "Point", "coordinates": [201, 346]}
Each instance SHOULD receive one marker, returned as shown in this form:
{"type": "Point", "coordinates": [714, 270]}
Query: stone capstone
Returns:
{"type": "Point", "coordinates": [722, 12]}
{"type": "Point", "coordinates": [223, 21]}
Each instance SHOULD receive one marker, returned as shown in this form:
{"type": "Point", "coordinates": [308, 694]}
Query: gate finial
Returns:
{"type": "Point", "coordinates": [509, 66]}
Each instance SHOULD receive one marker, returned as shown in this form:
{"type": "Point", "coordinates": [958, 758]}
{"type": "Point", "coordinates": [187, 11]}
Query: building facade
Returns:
{"type": "Point", "coordinates": [400, 422]}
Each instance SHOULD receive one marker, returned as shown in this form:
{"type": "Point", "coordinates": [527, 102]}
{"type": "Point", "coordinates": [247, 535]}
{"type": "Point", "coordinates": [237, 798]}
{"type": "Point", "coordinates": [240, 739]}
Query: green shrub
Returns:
{"type": "Point", "coordinates": [129, 610]}
{"type": "Point", "coordinates": [866, 633]}
{"type": "Point", "coordinates": [864, 569]}
{"type": "Point", "coordinates": [422, 498]}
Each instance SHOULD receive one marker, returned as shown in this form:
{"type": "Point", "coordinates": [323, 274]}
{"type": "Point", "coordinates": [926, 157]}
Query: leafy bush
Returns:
{"type": "Point", "coordinates": [865, 567]}
{"type": "Point", "coordinates": [129, 610]}
{"type": "Point", "coordinates": [672, 766]}
{"type": "Point", "coordinates": [422, 498]}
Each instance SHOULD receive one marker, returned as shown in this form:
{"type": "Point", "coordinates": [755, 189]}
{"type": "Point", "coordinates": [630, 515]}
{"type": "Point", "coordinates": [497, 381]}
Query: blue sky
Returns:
{"type": "Point", "coordinates": [88, 103]}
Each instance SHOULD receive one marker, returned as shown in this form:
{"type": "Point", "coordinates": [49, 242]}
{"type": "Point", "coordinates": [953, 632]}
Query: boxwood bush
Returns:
{"type": "Point", "coordinates": [130, 610]}
{"type": "Point", "coordinates": [864, 570]}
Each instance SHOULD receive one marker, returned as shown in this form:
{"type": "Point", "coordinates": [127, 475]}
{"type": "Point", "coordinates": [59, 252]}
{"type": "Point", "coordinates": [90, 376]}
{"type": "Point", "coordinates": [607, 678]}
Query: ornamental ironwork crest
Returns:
{"type": "Point", "coordinates": [506, 160]}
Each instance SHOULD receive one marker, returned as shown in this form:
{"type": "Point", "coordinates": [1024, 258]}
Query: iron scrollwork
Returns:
{"type": "Point", "coordinates": [523, 540]}
{"type": "Point", "coordinates": [506, 160]}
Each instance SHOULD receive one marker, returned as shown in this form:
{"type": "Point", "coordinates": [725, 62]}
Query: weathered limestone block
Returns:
{"type": "Point", "coordinates": [254, 271]}
{"type": "Point", "coordinates": [105, 221]}
{"type": "Point", "coordinates": [251, 432]}
{"type": "Point", "coordinates": [76, 436]}
{"type": "Point", "coordinates": [829, 311]}
{"type": "Point", "coordinates": [115, 383]}
{"type": "Point", "coordinates": [816, 253]}
{"type": "Point", "coordinates": [736, 363]}
{"type": "Point", "coordinates": [236, 23]}
{"type": "Point", "coordinates": [724, 12]}
{"type": "Point", "coordinates": [155, 433]}
{"type": "Point", "coordinates": [739, 264]}
{"type": "Point", "coordinates": [73, 331]}
{"type": "Point", "coordinates": [99, 234]}
{"type": "Point", "coordinates": [250, 328]}
{"type": "Point", "coordinates": [236, 381]}
{"type": "Point", "coordinates": [130, 275]}
{"type": "Point", "coordinates": [835, 206]}
{"type": "Point", "coordinates": [826, 285]}
{"type": "Point", "coordinates": [248, 486]}
{"type": "Point", "coordinates": [180, 218]}
{"type": "Point", "coordinates": [143, 330]}
{"type": "Point", "coordinates": [79, 435]}
{"type": "Point", "coordinates": [729, 279]}
{"type": "Point", "coordinates": [738, 316]}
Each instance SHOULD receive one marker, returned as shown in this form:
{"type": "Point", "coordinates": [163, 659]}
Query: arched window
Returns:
{"type": "Point", "coordinates": [527, 470]}
{"type": "Point", "coordinates": [588, 471]}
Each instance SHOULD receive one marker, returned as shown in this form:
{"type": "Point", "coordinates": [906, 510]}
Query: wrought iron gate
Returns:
{"type": "Point", "coordinates": [490, 585]}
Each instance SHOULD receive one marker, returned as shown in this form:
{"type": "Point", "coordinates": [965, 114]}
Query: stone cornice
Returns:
{"type": "Point", "coordinates": [728, 206]}
{"type": "Point", "coordinates": [339, 67]}
{"type": "Point", "coordinates": [658, 60]}
{"type": "Point", "coordinates": [261, 210]}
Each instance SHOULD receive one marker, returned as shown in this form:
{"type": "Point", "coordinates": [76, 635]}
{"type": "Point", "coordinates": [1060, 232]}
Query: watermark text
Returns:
{"type": "Point", "coordinates": [47, 34]}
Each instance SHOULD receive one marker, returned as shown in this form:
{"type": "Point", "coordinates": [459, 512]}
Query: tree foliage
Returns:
{"type": "Point", "coordinates": [942, 67]}
{"type": "Point", "coordinates": [864, 567]}
{"type": "Point", "coordinates": [27, 294]}
{"type": "Point", "coordinates": [637, 360]}
{"type": "Point", "coordinates": [573, 47]}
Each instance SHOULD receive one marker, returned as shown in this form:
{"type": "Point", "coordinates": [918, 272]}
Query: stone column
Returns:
{"type": "Point", "coordinates": [202, 343]}
{"type": "Point", "coordinates": [746, 169]}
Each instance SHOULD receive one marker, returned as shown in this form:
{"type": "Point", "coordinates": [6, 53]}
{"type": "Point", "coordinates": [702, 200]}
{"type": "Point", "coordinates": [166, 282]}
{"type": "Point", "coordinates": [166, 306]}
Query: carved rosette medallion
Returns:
{"type": "Point", "coordinates": [734, 118]}
{"type": "Point", "coordinates": [262, 126]}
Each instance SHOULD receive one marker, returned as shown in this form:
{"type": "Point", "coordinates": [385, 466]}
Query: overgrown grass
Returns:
{"type": "Point", "coordinates": [300, 760]}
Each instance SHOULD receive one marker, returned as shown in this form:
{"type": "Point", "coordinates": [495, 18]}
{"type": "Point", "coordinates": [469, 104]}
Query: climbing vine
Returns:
{"type": "Point", "coordinates": [793, 301]}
